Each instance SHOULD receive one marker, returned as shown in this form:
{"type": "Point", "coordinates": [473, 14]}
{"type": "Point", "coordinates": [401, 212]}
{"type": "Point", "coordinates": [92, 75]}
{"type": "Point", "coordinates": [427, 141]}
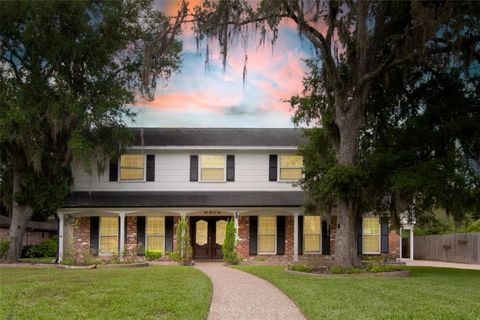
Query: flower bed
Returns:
{"type": "Point", "coordinates": [371, 269]}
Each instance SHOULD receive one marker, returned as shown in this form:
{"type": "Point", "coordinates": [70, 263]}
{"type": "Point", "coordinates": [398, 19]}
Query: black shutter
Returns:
{"type": "Point", "coordinates": [113, 172]}
{"type": "Point", "coordinates": [280, 235]}
{"type": "Point", "coordinates": [169, 234]}
{"type": "Point", "coordinates": [253, 226]}
{"type": "Point", "coordinates": [118, 242]}
{"type": "Point", "coordinates": [140, 236]}
{"type": "Point", "coordinates": [272, 168]}
{"type": "Point", "coordinates": [94, 229]}
{"type": "Point", "coordinates": [300, 234]}
{"type": "Point", "coordinates": [193, 168]}
{"type": "Point", "coordinates": [230, 168]}
{"type": "Point", "coordinates": [150, 167]}
{"type": "Point", "coordinates": [384, 234]}
{"type": "Point", "coordinates": [359, 235]}
{"type": "Point", "coordinates": [325, 238]}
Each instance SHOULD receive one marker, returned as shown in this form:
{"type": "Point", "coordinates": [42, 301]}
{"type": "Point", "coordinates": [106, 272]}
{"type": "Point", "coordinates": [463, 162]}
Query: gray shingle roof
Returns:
{"type": "Point", "coordinates": [218, 136]}
{"type": "Point", "coordinates": [185, 199]}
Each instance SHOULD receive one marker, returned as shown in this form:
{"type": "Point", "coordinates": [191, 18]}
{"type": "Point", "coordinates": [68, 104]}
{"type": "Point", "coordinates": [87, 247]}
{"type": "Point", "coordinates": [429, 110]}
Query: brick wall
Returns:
{"type": "Point", "coordinates": [393, 244]}
{"type": "Point", "coordinates": [289, 224]}
{"type": "Point", "coordinates": [243, 235]}
{"type": "Point", "coordinates": [333, 232]}
{"type": "Point", "coordinates": [30, 237]}
{"type": "Point", "coordinates": [131, 236]}
{"type": "Point", "coordinates": [81, 236]}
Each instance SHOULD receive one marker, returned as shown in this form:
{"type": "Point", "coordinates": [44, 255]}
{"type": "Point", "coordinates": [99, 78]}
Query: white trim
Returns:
{"type": "Point", "coordinates": [164, 232]}
{"type": "Point", "coordinates": [213, 148]}
{"type": "Point", "coordinates": [258, 236]}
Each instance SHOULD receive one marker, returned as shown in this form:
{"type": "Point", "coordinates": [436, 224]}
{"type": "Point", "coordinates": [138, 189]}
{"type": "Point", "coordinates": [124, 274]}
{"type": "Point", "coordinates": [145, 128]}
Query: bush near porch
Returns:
{"type": "Point", "coordinates": [160, 292]}
{"type": "Point", "coordinates": [429, 293]}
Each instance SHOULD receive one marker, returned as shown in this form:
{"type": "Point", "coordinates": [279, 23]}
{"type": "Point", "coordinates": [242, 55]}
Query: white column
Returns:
{"type": "Point", "coordinates": [235, 219]}
{"type": "Point", "coordinates": [295, 237]}
{"type": "Point", "coordinates": [411, 243]}
{"type": "Point", "coordinates": [122, 233]}
{"type": "Point", "coordinates": [400, 236]}
{"type": "Point", "coordinates": [61, 220]}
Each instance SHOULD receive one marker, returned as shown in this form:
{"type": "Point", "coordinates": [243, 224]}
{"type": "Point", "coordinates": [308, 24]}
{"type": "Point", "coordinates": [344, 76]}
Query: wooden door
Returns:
{"type": "Point", "coordinates": [207, 235]}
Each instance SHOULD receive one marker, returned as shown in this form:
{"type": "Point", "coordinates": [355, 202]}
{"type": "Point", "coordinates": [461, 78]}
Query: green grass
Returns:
{"type": "Point", "coordinates": [429, 293]}
{"type": "Point", "coordinates": [159, 292]}
{"type": "Point", "coordinates": [38, 260]}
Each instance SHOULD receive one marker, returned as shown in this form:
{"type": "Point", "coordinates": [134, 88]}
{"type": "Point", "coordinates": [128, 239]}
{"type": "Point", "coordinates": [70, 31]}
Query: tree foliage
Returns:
{"type": "Point", "coordinates": [229, 246]}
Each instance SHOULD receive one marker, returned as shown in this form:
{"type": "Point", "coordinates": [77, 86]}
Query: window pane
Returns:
{"type": "Point", "coordinates": [201, 232]}
{"type": "Point", "coordinates": [155, 243]}
{"type": "Point", "coordinates": [311, 233]}
{"type": "Point", "coordinates": [131, 174]}
{"type": "Point", "coordinates": [220, 230]}
{"type": "Point", "coordinates": [371, 226]}
{"type": "Point", "coordinates": [371, 244]}
{"type": "Point", "coordinates": [291, 161]}
{"type": "Point", "coordinates": [212, 161]}
{"type": "Point", "coordinates": [108, 226]}
{"type": "Point", "coordinates": [108, 244]}
{"type": "Point", "coordinates": [156, 226]}
{"type": "Point", "coordinates": [212, 175]}
{"type": "Point", "coordinates": [132, 160]}
{"type": "Point", "coordinates": [290, 174]}
{"type": "Point", "coordinates": [267, 229]}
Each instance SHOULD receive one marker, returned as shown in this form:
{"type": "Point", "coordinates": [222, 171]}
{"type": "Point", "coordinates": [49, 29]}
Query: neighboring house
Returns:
{"type": "Point", "coordinates": [35, 232]}
{"type": "Point", "coordinates": [209, 176]}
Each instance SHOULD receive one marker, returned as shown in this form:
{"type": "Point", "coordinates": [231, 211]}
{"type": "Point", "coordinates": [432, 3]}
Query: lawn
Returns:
{"type": "Point", "coordinates": [430, 293]}
{"type": "Point", "coordinates": [158, 292]}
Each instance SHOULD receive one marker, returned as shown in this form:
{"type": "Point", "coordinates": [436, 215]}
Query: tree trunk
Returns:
{"type": "Point", "coordinates": [20, 215]}
{"type": "Point", "coordinates": [348, 123]}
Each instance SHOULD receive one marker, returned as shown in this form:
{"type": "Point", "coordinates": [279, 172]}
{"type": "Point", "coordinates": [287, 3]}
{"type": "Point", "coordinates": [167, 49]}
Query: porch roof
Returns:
{"type": "Point", "coordinates": [185, 199]}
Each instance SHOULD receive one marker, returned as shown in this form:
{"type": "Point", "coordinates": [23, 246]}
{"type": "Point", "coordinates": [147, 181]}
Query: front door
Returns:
{"type": "Point", "coordinates": [207, 235]}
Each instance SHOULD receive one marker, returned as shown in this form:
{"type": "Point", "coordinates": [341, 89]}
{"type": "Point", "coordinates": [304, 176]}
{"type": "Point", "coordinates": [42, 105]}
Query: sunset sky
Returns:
{"type": "Point", "coordinates": [206, 96]}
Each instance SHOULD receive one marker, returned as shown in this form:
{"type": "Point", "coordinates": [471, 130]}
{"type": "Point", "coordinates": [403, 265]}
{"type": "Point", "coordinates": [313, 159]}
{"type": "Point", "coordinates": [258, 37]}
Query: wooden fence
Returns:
{"type": "Point", "coordinates": [460, 247]}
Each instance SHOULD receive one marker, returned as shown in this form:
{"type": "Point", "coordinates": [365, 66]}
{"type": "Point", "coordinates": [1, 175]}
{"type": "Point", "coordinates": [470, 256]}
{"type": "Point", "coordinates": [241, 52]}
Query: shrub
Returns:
{"type": "Point", "coordinates": [153, 255]}
{"type": "Point", "coordinates": [184, 248]}
{"type": "Point", "coordinates": [3, 249]}
{"type": "Point", "coordinates": [229, 247]}
{"type": "Point", "coordinates": [47, 248]}
{"type": "Point", "coordinates": [300, 267]}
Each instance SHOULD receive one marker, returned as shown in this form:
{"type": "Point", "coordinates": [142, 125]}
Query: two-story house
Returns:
{"type": "Point", "coordinates": [209, 176]}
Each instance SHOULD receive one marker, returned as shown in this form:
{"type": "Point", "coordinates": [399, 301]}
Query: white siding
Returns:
{"type": "Point", "coordinates": [172, 173]}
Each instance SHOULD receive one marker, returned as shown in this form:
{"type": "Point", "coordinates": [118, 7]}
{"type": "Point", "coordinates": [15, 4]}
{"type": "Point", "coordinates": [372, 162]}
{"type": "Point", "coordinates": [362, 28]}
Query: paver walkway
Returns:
{"type": "Point", "coordinates": [239, 295]}
{"type": "Point", "coordinates": [441, 264]}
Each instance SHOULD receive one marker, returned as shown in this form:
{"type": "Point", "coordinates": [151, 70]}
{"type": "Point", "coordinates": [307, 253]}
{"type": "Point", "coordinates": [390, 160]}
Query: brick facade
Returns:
{"type": "Point", "coordinates": [82, 239]}
{"type": "Point", "coordinates": [30, 237]}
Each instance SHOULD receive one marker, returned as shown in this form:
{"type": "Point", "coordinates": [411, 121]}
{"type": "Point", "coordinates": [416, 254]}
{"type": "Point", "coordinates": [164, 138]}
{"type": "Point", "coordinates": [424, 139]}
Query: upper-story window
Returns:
{"type": "Point", "coordinates": [290, 167]}
{"type": "Point", "coordinates": [212, 168]}
{"type": "Point", "coordinates": [132, 167]}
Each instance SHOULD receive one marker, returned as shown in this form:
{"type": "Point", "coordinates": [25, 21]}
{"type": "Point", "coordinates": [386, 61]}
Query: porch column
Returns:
{"type": "Point", "coordinates": [122, 233]}
{"type": "Point", "coordinates": [235, 219]}
{"type": "Point", "coordinates": [295, 237]}
{"type": "Point", "coordinates": [411, 243]}
{"type": "Point", "coordinates": [400, 236]}
{"type": "Point", "coordinates": [60, 235]}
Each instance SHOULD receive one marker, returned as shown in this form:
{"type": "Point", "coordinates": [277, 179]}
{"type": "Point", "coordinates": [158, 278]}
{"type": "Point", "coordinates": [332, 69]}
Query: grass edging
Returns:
{"type": "Point", "coordinates": [392, 274]}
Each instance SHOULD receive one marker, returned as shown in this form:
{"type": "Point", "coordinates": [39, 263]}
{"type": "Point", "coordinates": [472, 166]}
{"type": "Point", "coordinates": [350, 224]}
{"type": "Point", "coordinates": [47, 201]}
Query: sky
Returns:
{"type": "Point", "coordinates": [207, 96]}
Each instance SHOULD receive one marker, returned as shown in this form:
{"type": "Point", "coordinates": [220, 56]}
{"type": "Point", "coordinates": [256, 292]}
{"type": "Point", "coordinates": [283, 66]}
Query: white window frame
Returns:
{"type": "Point", "coordinates": [379, 238]}
{"type": "Point", "coordinates": [312, 252]}
{"type": "Point", "coordinates": [258, 237]}
{"type": "Point", "coordinates": [200, 168]}
{"type": "Point", "coordinates": [164, 233]}
{"type": "Point", "coordinates": [107, 254]}
{"type": "Point", "coordinates": [119, 170]}
{"type": "Point", "coordinates": [279, 179]}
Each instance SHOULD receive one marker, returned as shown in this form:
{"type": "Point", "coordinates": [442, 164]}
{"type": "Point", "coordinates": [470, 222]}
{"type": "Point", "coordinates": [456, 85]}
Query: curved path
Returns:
{"type": "Point", "coordinates": [239, 295]}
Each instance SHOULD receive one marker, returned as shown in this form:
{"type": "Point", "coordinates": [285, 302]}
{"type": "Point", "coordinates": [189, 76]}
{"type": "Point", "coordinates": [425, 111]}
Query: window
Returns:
{"type": "Point", "coordinates": [291, 167]}
{"type": "Point", "coordinates": [212, 168]}
{"type": "Point", "coordinates": [220, 231]}
{"type": "Point", "coordinates": [156, 234]}
{"type": "Point", "coordinates": [132, 167]}
{"type": "Point", "coordinates": [267, 229]}
{"type": "Point", "coordinates": [311, 233]}
{"type": "Point", "coordinates": [108, 235]}
{"type": "Point", "coordinates": [371, 235]}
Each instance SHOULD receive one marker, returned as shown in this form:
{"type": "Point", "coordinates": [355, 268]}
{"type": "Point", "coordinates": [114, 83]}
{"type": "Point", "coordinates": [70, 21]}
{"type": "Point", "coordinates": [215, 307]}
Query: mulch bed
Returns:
{"type": "Point", "coordinates": [393, 274]}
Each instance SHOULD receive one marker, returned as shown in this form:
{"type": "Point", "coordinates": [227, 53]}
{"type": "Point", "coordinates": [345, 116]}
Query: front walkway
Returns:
{"type": "Point", "coordinates": [441, 264]}
{"type": "Point", "coordinates": [239, 295]}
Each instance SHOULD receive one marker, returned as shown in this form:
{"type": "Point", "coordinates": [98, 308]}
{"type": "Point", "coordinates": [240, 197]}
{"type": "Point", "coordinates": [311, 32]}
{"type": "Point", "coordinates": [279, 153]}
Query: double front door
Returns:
{"type": "Point", "coordinates": [207, 234]}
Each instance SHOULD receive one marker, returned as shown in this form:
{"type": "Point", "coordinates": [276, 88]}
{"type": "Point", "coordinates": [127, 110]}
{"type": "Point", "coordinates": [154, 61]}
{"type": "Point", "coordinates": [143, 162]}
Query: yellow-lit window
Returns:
{"type": "Point", "coordinates": [108, 235]}
{"type": "Point", "coordinates": [311, 233]}
{"type": "Point", "coordinates": [291, 167]}
{"type": "Point", "coordinates": [132, 167]}
{"type": "Point", "coordinates": [267, 234]}
{"type": "Point", "coordinates": [156, 234]}
{"type": "Point", "coordinates": [220, 231]}
{"type": "Point", "coordinates": [212, 168]}
{"type": "Point", "coordinates": [371, 235]}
